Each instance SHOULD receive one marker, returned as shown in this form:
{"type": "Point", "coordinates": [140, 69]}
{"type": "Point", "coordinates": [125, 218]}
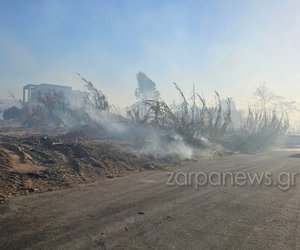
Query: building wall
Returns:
{"type": "Point", "coordinates": [32, 93]}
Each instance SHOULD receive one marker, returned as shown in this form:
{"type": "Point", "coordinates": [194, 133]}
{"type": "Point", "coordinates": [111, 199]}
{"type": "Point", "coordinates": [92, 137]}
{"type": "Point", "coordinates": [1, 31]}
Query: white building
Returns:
{"type": "Point", "coordinates": [33, 92]}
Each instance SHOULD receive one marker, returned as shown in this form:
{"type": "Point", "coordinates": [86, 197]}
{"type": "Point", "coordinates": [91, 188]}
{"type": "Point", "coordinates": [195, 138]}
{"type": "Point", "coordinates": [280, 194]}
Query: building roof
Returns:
{"type": "Point", "coordinates": [47, 85]}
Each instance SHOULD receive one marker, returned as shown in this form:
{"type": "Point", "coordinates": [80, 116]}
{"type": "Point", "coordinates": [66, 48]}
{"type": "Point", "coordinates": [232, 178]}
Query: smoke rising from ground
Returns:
{"type": "Point", "coordinates": [142, 139]}
{"type": "Point", "coordinates": [195, 127]}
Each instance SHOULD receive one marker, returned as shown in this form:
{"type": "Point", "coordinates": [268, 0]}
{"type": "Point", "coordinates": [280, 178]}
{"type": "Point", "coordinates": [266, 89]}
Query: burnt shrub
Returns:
{"type": "Point", "coordinates": [12, 113]}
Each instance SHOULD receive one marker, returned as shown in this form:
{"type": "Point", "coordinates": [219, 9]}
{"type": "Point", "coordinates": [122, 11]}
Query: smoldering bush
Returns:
{"type": "Point", "coordinates": [260, 129]}
{"type": "Point", "coordinates": [191, 120]}
{"type": "Point", "coordinates": [211, 122]}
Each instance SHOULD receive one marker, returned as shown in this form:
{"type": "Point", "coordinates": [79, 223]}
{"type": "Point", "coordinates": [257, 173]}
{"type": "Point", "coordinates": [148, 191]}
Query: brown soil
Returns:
{"type": "Point", "coordinates": [38, 163]}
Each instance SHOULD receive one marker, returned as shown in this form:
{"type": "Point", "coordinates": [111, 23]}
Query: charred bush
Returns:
{"type": "Point", "coordinates": [97, 100]}
{"type": "Point", "coordinates": [260, 129]}
{"type": "Point", "coordinates": [191, 120]}
{"type": "Point", "coordinates": [12, 113]}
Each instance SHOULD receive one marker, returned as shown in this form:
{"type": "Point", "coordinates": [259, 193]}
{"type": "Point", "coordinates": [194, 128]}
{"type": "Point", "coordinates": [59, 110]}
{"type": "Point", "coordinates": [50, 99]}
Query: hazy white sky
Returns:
{"type": "Point", "coordinates": [229, 46]}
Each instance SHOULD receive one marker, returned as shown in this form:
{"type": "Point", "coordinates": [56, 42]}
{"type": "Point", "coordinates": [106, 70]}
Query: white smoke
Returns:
{"type": "Point", "coordinates": [160, 145]}
{"type": "Point", "coordinates": [143, 139]}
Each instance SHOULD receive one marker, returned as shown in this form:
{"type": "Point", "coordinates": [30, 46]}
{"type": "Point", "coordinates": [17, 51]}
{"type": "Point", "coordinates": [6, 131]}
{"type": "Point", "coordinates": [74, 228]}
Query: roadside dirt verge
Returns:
{"type": "Point", "coordinates": [42, 163]}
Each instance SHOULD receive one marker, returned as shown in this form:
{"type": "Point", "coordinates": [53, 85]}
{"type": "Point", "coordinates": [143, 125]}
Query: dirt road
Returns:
{"type": "Point", "coordinates": [141, 212]}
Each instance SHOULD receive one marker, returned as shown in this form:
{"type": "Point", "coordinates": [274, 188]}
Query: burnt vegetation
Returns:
{"type": "Point", "coordinates": [199, 122]}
